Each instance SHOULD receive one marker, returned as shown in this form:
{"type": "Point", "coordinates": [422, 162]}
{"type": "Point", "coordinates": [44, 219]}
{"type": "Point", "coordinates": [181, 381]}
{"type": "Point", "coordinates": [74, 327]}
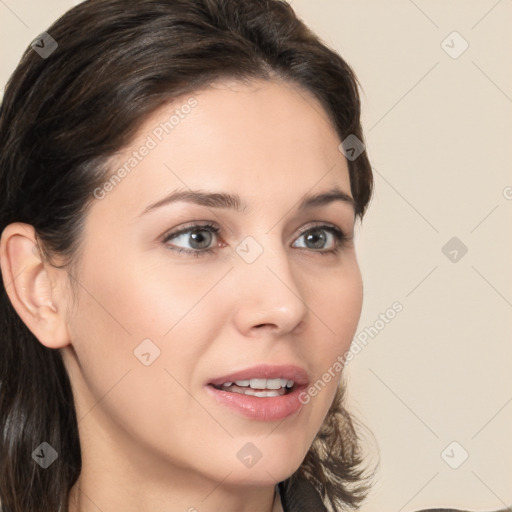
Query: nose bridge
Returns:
{"type": "Point", "coordinates": [271, 293]}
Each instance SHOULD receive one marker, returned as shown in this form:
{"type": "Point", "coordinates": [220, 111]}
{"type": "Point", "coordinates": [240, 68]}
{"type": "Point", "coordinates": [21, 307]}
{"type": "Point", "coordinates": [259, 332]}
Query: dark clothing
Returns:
{"type": "Point", "coordinates": [302, 497]}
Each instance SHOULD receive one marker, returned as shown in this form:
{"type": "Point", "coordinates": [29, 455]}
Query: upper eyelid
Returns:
{"type": "Point", "coordinates": [321, 224]}
{"type": "Point", "coordinates": [208, 226]}
{"type": "Point", "coordinates": [186, 229]}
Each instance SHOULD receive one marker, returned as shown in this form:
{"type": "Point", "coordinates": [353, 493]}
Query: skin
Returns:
{"type": "Point", "coordinates": [151, 437]}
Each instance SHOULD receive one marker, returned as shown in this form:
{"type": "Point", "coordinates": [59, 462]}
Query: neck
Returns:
{"type": "Point", "coordinates": [109, 494]}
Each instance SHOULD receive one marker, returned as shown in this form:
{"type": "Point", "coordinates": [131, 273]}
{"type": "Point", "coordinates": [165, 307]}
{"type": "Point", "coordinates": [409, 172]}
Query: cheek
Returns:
{"type": "Point", "coordinates": [134, 298]}
{"type": "Point", "coordinates": [337, 301]}
{"type": "Point", "coordinates": [122, 315]}
{"type": "Point", "coordinates": [111, 382]}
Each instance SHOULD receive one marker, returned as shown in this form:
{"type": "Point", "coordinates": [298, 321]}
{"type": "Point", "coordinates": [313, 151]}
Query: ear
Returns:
{"type": "Point", "coordinates": [34, 287]}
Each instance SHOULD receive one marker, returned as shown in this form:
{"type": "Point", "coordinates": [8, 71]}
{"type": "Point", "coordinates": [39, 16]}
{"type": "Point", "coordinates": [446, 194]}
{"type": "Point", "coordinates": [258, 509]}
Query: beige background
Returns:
{"type": "Point", "coordinates": [438, 134]}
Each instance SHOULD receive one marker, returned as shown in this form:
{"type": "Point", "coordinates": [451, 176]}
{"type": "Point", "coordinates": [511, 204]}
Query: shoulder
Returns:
{"type": "Point", "coordinates": [301, 496]}
{"type": "Point", "coordinates": [460, 510]}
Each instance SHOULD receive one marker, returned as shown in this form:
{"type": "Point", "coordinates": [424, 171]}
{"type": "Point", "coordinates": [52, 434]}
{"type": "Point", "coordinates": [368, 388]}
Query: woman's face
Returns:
{"type": "Point", "coordinates": [264, 291]}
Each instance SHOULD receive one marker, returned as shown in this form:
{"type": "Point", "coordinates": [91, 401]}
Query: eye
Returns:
{"type": "Point", "coordinates": [324, 239]}
{"type": "Point", "coordinates": [199, 238]}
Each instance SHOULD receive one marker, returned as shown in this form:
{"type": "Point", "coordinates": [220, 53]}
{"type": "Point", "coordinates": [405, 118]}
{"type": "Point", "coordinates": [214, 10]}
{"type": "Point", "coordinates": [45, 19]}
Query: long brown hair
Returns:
{"type": "Point", "coordinates": [63, 114]}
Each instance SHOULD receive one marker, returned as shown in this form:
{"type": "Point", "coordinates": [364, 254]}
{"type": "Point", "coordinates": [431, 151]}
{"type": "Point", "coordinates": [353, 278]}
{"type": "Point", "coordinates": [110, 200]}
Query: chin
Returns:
{"type": "Point", "coordinates": [267, 461]}
{"type": "Point", "coordinates": [261, 476]}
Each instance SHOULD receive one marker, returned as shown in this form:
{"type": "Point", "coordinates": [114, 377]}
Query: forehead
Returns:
{"type": "Point", "coordinates": [265, 137]}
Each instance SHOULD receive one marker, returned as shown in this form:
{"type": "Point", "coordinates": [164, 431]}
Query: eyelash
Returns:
{"type": "Point", "coordinates": [338, 234]}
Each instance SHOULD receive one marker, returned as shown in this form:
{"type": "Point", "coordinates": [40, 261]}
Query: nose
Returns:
{"type": "Point", "coordinates": [268, 295]}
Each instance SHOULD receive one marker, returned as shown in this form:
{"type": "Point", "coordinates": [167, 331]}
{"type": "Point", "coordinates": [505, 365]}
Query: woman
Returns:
{"type": "Point", "coordinates": [161, 161]}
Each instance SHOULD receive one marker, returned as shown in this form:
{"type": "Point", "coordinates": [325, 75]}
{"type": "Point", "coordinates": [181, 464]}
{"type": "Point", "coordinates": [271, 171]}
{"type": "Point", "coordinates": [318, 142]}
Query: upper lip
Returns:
{"type": "Point", "coordinates": [265, 371]}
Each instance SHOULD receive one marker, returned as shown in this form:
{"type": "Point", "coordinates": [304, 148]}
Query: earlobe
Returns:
{"type": "Point", "coordinates": [28, 282]}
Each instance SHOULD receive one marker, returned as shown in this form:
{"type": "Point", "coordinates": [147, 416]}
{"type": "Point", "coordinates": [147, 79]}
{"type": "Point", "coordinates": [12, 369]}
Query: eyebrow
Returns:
{"type": "Point", "coordinates": [234, 202]}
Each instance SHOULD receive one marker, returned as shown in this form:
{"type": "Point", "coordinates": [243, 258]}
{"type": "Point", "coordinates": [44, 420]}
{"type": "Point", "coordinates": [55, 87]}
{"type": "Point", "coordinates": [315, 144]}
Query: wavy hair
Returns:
{"type": "Point", "coordinates": [116, 62]}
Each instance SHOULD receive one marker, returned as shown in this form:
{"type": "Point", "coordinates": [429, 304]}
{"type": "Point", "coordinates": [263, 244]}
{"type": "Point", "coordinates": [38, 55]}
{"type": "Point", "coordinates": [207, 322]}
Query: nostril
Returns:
{"type": "Point", "coordinates": [266, 326]}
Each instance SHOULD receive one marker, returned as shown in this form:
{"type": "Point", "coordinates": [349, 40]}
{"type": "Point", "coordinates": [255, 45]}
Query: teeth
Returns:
{"type": "Point", "coordinates": [273, 384]}
{"type": "Point", "coordinates": [262, 394]}
{"type": "Point", "coordinates": [258, 383]}
{"type": "Point", "coordinates": [262, 384]}
{"type": "Point", "coordinates": [267, 393]}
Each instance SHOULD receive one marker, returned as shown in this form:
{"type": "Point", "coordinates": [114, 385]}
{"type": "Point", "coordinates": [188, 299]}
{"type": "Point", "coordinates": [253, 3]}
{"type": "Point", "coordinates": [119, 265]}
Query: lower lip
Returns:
{"type": "Point", "coordinates": [270, 408]}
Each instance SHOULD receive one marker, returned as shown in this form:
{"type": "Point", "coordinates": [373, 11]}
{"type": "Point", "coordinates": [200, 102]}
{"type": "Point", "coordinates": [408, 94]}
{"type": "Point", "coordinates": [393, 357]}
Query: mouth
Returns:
{"type": "Point", "coordinates": [263, 392]}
